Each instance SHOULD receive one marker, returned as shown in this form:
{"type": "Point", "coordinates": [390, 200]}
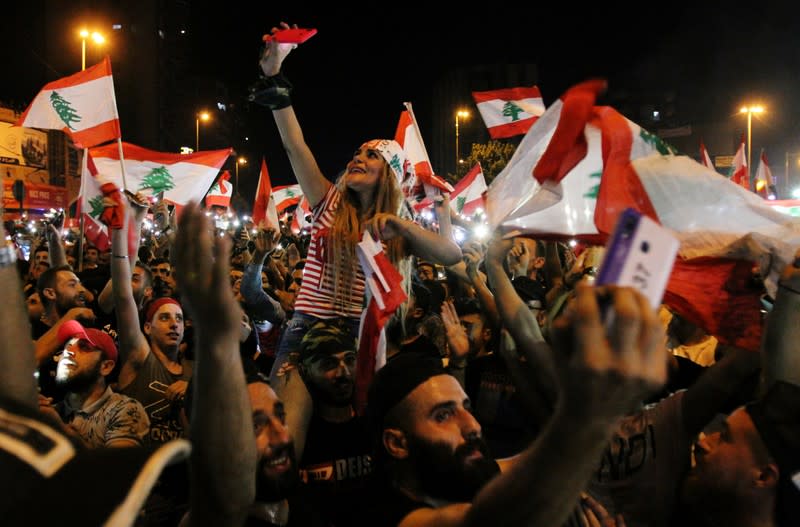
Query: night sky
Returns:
{"type": "Point", "coordinates": [353, 76]}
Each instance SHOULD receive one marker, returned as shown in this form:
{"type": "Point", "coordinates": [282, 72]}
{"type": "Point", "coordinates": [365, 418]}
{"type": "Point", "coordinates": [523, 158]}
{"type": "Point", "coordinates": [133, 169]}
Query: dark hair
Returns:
{"type": "Point", "coordinates": [47, 280]}
{"type": "Point", "coordinates": [147, 274]}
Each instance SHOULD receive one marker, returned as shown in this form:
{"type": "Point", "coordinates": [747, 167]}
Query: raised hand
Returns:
{"type": "Point", "coordinates": [265, 239]}
{"type": "Point", "coordinates": [275, 53]}
{"type": "Point", "coordinates": [457, 339]}
{"type": "Point", "coordinates": [606, 370]}
{"type": "Point", "coordinates": [202, 260]}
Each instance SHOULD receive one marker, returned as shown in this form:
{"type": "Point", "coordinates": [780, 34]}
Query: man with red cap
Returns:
{"type": "Point", "coordinates": [90, 409]}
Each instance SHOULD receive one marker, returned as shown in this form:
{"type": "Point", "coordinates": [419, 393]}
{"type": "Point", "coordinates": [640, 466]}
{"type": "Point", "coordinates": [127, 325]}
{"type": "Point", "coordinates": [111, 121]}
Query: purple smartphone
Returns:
{"type": "Point", "coordinates": [640, 254]}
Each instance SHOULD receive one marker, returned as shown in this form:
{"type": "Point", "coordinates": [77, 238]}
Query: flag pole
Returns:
{"type": "Point", "coordinates": [84, 168]}
{"type": "Point", "coordinates": [122, 163]}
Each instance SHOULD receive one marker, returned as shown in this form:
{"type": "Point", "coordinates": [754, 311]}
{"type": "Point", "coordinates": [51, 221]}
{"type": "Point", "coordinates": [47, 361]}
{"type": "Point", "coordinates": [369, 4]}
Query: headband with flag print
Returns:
{"type": "Point", "coordinates": [393, 153]}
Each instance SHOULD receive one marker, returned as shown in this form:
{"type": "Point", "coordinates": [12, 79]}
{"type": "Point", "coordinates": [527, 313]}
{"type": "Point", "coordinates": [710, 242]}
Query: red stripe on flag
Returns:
{"type": "Point", "coordinates": [718, 295]}
{"type": "Point", "coordinates": [209, 158]}
{"type": "Point", "coordinates": [511, 129]}
{"type": "Point", "coordinates": [507, 94]}
{"type": "Point", "coordinates": [101, 133]}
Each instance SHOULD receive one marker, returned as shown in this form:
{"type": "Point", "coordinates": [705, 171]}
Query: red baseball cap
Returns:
{"type": "Point", "coordinates": [97, 338]}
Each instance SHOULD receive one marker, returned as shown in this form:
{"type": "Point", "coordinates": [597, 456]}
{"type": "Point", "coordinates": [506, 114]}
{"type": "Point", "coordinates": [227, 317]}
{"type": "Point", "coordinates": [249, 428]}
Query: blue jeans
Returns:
{"type": "Point", "coordinates": [293, 333]}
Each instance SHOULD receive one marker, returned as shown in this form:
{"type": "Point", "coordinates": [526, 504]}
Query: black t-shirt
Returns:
{"type": "Point", "coordinates": [335, 467]}
{"type": "Point", "coordinates": [385, 506]}
{"type": "Point", "coordinates": [532, 292]}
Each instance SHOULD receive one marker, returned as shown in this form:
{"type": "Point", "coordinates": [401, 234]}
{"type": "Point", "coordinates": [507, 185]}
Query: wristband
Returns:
{"type": "Point", "coordinates": [273, 92]}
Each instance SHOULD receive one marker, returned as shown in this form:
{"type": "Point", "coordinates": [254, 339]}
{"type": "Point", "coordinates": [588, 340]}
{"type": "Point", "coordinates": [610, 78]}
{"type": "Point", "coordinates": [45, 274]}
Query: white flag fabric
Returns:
{"type": "Point", "coordinates": [181, 177]}
{"type": "Point", "coordinates": [286, 196]}
{"type": "Point", "coordinates": [509, 112]}
{"type": "Point", "coordinates": [82, 105]}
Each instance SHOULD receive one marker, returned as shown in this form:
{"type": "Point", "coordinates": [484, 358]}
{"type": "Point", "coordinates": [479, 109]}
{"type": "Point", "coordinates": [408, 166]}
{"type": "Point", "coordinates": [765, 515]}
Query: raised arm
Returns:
{"type": "Point", "coordinates": [304, 165]}
{"type": "Point", "coordinates": [223, 460]}
{"type": "Point", "coordinates": [423, 243]}
{"type": "Point", "coordinates": [258, 304]}
{"type": "Point", "coordinates": [133, 346]}
{"type": "Point", "coordinates": [16, 347]}
{"type": "Point", "coordinates": [781, 347]}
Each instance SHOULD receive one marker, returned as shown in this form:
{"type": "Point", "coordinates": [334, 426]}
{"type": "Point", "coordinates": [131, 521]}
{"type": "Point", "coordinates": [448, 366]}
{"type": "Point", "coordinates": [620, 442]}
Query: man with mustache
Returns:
{"type": "Point", "coordinates": [431, 463]}
{"type": "Point", "coordinates": [335, 461]}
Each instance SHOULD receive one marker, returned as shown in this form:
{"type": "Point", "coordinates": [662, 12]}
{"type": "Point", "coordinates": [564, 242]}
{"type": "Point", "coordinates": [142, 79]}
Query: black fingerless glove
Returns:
{"type": "Point", "coordinates": [273, 92]}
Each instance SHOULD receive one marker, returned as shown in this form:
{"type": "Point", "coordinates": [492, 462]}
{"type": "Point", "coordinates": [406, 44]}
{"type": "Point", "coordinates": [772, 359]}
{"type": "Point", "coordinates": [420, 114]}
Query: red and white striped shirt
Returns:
{"type": "Point", "coordinates": [316, 295]}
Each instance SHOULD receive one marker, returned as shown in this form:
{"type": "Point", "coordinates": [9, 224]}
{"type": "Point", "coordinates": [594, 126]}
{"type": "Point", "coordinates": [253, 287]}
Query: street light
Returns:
{"type": "Point", "coordinates": [239, 161]}
{"type": "Point", "coordinates": [98, 39]}
{"type": "Point", "coordinates": [202, 116]}
{"type": "Point", "coordinates": [463, 114]}
{"type": "Point", "coordinates": [750, 110]}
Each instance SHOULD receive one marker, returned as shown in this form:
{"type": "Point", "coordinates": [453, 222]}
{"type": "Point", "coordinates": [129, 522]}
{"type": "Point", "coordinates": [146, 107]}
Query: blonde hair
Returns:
{"type": "Point", "coordinates": [345, 233]}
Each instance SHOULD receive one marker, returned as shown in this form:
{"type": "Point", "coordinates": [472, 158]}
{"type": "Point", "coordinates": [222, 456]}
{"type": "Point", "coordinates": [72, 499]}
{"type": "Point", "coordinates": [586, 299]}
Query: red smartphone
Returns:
{"type": "Point", "coordinates": [291, 36]}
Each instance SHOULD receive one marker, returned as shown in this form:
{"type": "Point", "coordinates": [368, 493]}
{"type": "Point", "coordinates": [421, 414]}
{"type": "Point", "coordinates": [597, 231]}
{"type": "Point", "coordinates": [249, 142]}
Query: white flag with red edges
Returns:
{"type": "Point", "coordinates": [286, 196]}
{"type": "Point", "coordinates": [385, 294]}
{"type": "Point", "coordinates": [705, 158]}
{"type": "Point", "coordinates": [509, 112]}
{"type": "Point", "coordinates": [739, 172]}
{"type": "Point", "coordinates": [763, 177]}
{"type": "Point", "coordinates": [467, 196]}
{"type": "Point", "coordinates": [264, 208]}
{"type": "Point", "coordinates": [220, 193]}
{"type": "Point", "coordinates": [181, 177]}
{"type": "Point", "coordinates": [581, 165]}
{"type": "Point", "coordinates": [82, 105]}
{"type": "Point", "coordinates": [410, 138]}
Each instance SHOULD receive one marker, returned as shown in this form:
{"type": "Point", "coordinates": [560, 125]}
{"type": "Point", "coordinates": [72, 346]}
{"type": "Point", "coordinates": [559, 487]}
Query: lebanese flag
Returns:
{"type": "Point", "coordinates": [181, 177]}
{"type": "Point", "coordinates": [264, 204]}
{"type": "Point", "coordinates": [467, 197]}
{"type": "Point", "coordinates": [386, 294]}
{"type": "Point", "coordinates": [581, 165]}
{"type": "Point", "coordinates": [705, 158]}
{"type": "Point", "coordinates": [299, 219]}
{"type": "Point", "coordinates": [410, 138]}
{"type": "Point", "coordinates": [95, 231]}
{"type": "Point", "coordinates": [739, 173]}
{"type": "Point", "coordinates": [82, 105]}
{"type": "Point", "coordinates": [763, 176]}
{"type": "Point", "coordinates": [219, 195]}
{"type": "Point", "coordinates": [509, 112]}
{"type": "Point", "coordinates": [286, 196]}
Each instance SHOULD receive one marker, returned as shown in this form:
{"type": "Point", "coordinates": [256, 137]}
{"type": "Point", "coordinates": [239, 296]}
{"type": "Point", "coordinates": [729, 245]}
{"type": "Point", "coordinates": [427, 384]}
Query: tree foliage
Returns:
{"type": "Point", "coordinates": [493, 157]}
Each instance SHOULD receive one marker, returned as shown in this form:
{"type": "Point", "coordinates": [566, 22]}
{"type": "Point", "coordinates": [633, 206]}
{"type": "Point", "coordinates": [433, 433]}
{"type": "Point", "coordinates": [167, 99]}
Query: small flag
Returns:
{"type": "Point", "coordinates": [82, 105]}
{"type": "Point", "coordinates": [286, 196]}
{"type": "Point", "coordinates": [386, 294]}
{"type": "Point", "coordinates": [764, 180]}
{"type": "Point", "coordinates": [509, 112]}
{"type": "Point", "coordinates": [410, 138]}
{"type": "Point", "coordinates": [739, 172]}
{"type": "Point", "coordinates": [467, 195]}
{"type": "Point", "coordinates": [219, 195]}
{"type": "Point", "coordinates": [264, 204]}
{"type": "Point", "coordinates": [705, 158]}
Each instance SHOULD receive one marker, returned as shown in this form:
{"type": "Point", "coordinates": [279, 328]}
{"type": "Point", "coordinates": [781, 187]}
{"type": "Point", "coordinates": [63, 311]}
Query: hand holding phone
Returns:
{"type": "Point", "coordinates": [640, 255]}
{"type": "Point", "coordinates": [294, 35]}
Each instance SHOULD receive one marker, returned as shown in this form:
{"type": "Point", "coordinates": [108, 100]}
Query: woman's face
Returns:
{"type": "Point", "coordinates": [365, 169]}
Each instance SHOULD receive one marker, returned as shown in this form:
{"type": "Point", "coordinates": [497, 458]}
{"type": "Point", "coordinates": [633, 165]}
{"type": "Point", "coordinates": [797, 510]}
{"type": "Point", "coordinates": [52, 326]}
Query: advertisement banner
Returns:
{"type": "Point", "coordinates": [36, 196]}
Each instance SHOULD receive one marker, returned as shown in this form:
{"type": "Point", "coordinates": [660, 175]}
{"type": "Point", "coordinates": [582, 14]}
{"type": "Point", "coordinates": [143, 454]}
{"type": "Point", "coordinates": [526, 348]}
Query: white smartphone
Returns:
{"type": "Point", "coordinates": [640, 254]}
